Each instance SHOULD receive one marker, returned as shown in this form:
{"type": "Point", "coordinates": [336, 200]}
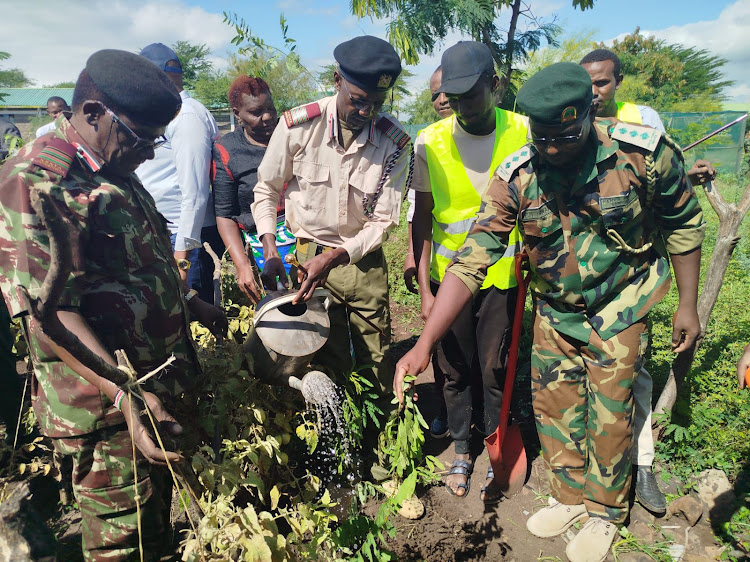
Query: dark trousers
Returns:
{"type": "Point", "coordinates": [10, 383]}
{"type": "Point", "coordinates": [201, 274]}
{"type": "Point", "coordinates": [474, 353]}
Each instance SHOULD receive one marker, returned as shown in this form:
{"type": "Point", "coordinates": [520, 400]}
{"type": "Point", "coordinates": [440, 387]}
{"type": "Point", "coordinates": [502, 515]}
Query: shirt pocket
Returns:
{"type": "Point", "coordinates": [112, 252]}
{"type": "Point", "coordinates": [541, 224]}
{"type": "Point", "coordinates": [624, 215]}
{"type": "Point", "coordinates": [363, 191]}
{"type": "Point", "coordinates": [314, 196]}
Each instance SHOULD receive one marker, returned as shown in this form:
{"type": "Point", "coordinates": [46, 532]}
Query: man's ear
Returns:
{"type": "Point", "coordinates": [336, 79]}
{"type": "Point", "coordinates": [618, 81]}
{"type": "Point", "coordinates": [494, 83]}
{"type": "Point", "coordinates": [93, 111]}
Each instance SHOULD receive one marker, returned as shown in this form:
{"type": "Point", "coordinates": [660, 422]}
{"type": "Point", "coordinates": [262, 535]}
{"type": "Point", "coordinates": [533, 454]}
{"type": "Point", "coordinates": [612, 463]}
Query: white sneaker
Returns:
{"type": "Point", "coordinates": [555, 519]}
{"type": "Point", "coordinates": [592, 543]}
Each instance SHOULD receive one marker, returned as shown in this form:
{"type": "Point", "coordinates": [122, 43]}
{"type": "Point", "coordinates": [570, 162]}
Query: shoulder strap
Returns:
{"type": "Point", "coordinates": [57, 157]}
{"type": "Point", "coordinates": [393, 131]}
{"type": "Point", "coordinates": [514, 161]}
{"type": "Point", "coordinates": [301, 114]}
{"type": "Point", "coordinates": [637, 135]}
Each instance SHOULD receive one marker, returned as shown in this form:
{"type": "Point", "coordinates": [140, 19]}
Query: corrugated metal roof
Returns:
{"type": "Point", "coordinates": [32, 97]}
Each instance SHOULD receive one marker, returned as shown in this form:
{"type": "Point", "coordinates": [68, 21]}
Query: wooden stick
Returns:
{"type": "Point", "coordinates": [218, 297]}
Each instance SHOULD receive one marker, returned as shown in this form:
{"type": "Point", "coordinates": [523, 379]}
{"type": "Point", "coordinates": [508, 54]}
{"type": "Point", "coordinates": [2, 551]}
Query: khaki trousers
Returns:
{"type": "Point", "coordinates": [352, 344]}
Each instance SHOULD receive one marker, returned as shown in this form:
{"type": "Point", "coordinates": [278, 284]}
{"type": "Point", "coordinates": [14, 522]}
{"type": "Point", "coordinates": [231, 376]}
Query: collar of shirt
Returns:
{"type": "Point", "coordinates": [366, 135]}
{"type": "Point", "coordinates": [91, 162]}
{"type": "Point", "coordinates": [184, 95]}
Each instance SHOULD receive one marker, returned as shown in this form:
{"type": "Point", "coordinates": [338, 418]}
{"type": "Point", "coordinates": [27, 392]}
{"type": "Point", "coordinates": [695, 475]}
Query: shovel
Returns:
{"type": "Point", "coordinates": [505, 446]}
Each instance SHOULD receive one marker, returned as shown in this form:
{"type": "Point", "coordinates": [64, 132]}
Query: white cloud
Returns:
{"type": "Point", "coordinates": [726, 36]}
{"type": "Point", "coordinates": [51, 47]}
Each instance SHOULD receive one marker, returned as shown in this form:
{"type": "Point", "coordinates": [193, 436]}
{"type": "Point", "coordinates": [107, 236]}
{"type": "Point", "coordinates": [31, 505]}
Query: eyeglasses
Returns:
{"type": "Point", "coordinates": [138, 142]}
{"type": "Point", "coordinates": [361, 105]}
{"type": "Point", "coordinates": [568, 139]}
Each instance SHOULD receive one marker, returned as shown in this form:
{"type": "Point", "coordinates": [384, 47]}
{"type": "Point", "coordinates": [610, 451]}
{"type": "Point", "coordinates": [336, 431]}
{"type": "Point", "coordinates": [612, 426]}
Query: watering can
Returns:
{"type": "Point", "coordinates": [285, 337]}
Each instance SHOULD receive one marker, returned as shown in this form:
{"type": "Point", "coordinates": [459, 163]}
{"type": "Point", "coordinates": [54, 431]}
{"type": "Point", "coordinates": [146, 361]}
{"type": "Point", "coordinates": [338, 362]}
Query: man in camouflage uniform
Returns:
{"type": "Point", "coordinates": [123, 292]}
{"type": "Point", "coordinates": [599, 204]}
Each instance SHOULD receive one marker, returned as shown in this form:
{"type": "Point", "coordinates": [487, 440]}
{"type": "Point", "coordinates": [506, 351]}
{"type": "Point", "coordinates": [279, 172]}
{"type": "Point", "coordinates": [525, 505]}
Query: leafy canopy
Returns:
{"type": "Point", "coordinates": [416, 27]}
{"type": "Point", "coordinates": [670, 77]}
{"type": "Point", "coordinates": [13, 77]}
{"type": "Point", "coordinates": [194, 61]}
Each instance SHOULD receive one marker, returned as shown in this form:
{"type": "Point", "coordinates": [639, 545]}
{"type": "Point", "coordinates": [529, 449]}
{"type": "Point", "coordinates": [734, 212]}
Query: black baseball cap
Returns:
{"type": "Point", "coordinates": [462, 65]}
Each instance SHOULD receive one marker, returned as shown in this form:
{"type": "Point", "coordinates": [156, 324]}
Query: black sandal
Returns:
{"type": "Point", "coordinates": [464, 468]}
{"type": "Point", "coordinates": [491, 500]}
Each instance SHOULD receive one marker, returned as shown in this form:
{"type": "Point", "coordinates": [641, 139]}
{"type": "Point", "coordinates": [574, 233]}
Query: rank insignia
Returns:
{"type": "Point", "coordinates": [301, 114]}
{"type": "Point", "coordinates": [56, 157]}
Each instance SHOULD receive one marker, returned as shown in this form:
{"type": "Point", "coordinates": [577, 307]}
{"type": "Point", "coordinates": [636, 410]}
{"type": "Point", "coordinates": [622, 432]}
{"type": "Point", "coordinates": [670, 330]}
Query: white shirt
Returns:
{"type": "Point", "coordinates": [651, 118]}
{"type": "Point", "coordinates": [178, 178]}
{"type": "Point", "coordinates": [44, 129]}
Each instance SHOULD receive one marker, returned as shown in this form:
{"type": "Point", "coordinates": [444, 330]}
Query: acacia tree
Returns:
{"type": "Point", "coordinates": [417, 26]}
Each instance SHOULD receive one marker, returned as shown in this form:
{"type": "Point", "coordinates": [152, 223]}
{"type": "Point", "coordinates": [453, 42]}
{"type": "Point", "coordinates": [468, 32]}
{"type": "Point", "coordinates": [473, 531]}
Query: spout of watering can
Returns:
{"type": "Point", "coordinates": [295, 383]}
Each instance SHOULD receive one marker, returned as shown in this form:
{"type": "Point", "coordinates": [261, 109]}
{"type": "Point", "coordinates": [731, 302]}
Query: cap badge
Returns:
{"type": "Point", "coordinates": [385, 81]}
{"type": "Point", "coordinates": [568, 114]}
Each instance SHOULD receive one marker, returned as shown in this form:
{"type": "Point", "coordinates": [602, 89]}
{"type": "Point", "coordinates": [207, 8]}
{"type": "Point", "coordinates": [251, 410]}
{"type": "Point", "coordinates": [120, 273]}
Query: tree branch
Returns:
{"type": "Point", "coordinates": [44, 308]}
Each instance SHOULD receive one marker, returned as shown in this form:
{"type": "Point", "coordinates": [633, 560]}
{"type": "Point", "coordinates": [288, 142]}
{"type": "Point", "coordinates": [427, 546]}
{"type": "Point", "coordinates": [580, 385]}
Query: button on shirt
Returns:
{"type": "Point", "coordinates": [178, 178]}
{"type": "Point", "coordinates": [327, 184]}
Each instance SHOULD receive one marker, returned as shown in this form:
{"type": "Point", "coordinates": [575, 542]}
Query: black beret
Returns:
{"type": "Point", "coordinates": [368, 62]}
{"type": "Point", "coordinates": [136, 85]}
{"type": "Point", "coordinates": [556, 95]}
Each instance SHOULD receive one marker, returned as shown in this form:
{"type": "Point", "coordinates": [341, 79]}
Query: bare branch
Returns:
{"type": "Point", "coordinates": [44, 309]}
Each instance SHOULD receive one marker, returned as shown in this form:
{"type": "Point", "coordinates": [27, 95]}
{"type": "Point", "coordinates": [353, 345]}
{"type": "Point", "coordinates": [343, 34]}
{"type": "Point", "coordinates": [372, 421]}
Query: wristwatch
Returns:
{"type": "Point", "coordinates": [183, 264]}
{"type": "Point", "coordinates": [190, 295]}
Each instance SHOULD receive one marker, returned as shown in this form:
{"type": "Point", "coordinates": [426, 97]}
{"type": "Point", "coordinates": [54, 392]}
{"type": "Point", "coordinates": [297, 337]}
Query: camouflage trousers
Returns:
{"type": "Point", "coordinates": [583, 404]}
{"type": "Point", "coordinates": [104, 487]}
{"type": "Point", "coordinates": [364, 285]}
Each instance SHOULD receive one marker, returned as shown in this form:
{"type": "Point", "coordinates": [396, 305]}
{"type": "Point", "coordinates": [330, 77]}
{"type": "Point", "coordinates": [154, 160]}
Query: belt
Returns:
{"type": "Point", "coordinates": [303, 243]}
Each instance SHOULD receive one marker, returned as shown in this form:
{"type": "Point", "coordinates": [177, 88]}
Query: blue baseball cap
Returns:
{"type": "Point", "coordinates": [160, 55]}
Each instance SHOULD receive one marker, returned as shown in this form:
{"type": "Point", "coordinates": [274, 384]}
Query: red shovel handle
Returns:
{"type": "Point", "coordinates": [515, 341]}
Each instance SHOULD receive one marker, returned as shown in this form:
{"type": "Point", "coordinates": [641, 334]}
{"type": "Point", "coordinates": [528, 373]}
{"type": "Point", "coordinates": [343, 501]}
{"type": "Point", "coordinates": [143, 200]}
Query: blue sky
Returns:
{"type": "Point", "coordinates": [319, 25]}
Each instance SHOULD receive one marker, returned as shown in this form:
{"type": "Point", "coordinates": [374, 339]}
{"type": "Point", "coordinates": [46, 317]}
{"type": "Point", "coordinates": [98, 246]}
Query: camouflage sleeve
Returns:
{"type": "Point", "coordinates": [678, 212]}
{"type": "Point", "coordinates": [488, 238]}
{"type": "Point", "coordinates": [25, 256]}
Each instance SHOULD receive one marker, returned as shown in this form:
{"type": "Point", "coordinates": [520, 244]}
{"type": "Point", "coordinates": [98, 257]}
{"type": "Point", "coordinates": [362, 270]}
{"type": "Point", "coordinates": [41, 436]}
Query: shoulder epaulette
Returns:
{"type": "Point", "coordinates": [638, 135]}
{"type": "Point", "coordinates": [301, 114]}
{"type": "Point", "coordinates": [514, 161]}
{"type": "Point", "coordinates": [393, 131]}
{"type": "Point", "coordinates": [57, 157]}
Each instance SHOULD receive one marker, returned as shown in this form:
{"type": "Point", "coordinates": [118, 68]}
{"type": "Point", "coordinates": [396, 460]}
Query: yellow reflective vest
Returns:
{"type": "Point", "coordinates": [456, 201]}
{"type": "Point", "coordinates": [629, 113]}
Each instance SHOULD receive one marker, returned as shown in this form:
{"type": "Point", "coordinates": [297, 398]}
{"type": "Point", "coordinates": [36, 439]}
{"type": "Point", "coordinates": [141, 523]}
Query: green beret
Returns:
{"type": "Point", "coordinates": [136, 85]}
{"type": "Point", "coordinates": [557, 95]}
{"type": "Point", "coordinates": [368, 62]}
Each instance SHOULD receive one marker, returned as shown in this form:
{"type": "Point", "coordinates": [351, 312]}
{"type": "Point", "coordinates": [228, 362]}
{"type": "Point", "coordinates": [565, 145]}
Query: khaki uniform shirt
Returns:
{"type": "Point", "coordinates": [327, 184]}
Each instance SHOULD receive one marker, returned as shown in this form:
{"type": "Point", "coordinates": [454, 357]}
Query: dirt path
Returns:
{"type": "Point", "coordinates": [464, 529]}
